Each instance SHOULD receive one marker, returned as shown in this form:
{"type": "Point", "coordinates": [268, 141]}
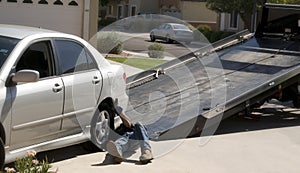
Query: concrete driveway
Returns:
{"type": "Point", "coordinates": [270, 145]}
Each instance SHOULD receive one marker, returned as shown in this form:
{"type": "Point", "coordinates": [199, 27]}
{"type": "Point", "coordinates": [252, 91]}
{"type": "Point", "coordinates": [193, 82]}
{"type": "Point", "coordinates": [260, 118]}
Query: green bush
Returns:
{"type": "Point", "coordinates": [30, 164]}
{"type": "Point", "coordinates": [212, 36]}
{"type": "Point", "coordinates": [202, 30]}
{"type": "Point", "coordinates": [156, 50]}
{"type": "Point", "coordinates": [215, 36]}
{"type": "Point", "coordinates": [109, 42]}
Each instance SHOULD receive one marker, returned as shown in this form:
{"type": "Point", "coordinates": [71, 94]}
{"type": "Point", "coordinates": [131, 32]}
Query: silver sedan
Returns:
{"type": "Point", "coordinates": [56, 90]}
{"type": "Point", "coordinates": [172, 32]}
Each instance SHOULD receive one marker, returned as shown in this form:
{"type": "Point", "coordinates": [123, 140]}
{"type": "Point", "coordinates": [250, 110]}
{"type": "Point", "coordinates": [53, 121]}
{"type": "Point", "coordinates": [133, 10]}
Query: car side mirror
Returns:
{"type": "Point", "coordinates": [26, 76]}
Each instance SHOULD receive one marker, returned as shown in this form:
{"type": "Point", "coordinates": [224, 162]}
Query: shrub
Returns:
{"type": "Point", "coordinates": [215, 36]}
{"type": "Point", "coordinates": [156, 50]}
{"type": "Point", "coordinates": [109, 42]}
{"type": "Point", "coordinates": [212, 36]}
{"type": "Point", "coordinates": [203, 29]}
{"type": "Point", "coordinates": [30, 164]}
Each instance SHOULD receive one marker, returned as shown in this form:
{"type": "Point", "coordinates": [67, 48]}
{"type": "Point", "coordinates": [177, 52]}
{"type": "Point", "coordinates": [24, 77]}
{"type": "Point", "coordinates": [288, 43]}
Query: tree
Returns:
{"type": "Point", "coordinates": [244, 8]}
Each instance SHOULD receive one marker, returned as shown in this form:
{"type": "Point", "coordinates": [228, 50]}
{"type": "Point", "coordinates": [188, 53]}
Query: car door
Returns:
{"type": "Point", "coordinates": [167, 31]}
{"type": "Point", "coordinates": [36, 107]}
{"type": "Point", "coordinates": [82, 80]}
{"type": "Point", "coordinates": [160, 31]}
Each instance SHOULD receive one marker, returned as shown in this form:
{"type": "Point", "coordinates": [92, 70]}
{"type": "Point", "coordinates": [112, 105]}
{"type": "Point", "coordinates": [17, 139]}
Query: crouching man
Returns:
{"type": "Point", "coordinates": [131, 136]}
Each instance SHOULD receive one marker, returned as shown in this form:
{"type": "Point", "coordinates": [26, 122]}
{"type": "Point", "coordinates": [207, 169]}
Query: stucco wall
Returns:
{"type": "Point", "coordinates": [149, 6]}
{"type": "Point", "coordinates": [197, 13]}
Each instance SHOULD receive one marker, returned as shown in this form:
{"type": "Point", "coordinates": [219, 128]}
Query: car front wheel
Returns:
{"type": "Point", "coordinates": [168, 39]}
{"type": "Point", "coordinates": [101, 125]}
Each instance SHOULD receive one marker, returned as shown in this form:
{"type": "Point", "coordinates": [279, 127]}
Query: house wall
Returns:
{"type": "Point", "coordinates": [78, 17]}
{"type": "Point", "coordinates": [149, 6]}
{"type": "Point", "coordinates": [93, 22]}
{"type": "Point", "coordinates": [226, 23]}
{"type": "Point", "coordinates": [197, 13]}
{"type": "Point", "coordinates": [112, 4]}
{"type": "Point", "coordinates": [170, 3]}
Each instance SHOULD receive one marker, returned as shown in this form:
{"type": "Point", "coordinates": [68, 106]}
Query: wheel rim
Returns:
{"type": "Point", "coordinates": [102, 127]}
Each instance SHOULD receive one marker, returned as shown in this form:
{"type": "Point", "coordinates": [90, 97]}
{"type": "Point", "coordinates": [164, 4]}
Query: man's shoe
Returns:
{"type": "Point", "coordinates": [146, 156]}
{"type": "Point", "coordinates": [113, 150]}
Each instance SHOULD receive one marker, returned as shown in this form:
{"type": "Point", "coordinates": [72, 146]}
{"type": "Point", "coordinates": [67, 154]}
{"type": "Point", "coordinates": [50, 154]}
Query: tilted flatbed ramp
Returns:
{"type": "Point", "coordinates": [202, 91]}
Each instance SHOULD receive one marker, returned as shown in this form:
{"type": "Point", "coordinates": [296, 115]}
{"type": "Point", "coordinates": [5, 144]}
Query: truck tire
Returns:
{"type": "Point", "coordinates": [101, 125]}
{"type": "Point", "coordinates": [2, 154]}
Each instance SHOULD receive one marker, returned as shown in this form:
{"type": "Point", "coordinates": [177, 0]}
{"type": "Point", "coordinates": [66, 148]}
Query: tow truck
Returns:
{"type": "Point", "coordinates": [186, 96]}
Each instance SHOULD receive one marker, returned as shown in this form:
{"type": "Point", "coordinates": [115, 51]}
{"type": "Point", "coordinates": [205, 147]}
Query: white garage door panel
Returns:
{"type": "Point", "coordinates": [64, 18]}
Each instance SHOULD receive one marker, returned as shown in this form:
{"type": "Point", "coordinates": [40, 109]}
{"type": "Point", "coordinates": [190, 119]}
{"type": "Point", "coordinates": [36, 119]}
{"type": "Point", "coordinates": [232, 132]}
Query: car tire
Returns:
{"type": "Point", "coordinates": [296, 101]}
{"type": "Point", "coordinates": [91, 147]}
{"type": "Point", "coordinates": [168, 39]}
{"type": "Point", "coordinates": [101, 125]}
{"type": "Point", "coordinates": [152, 37]}
{"type": "Point", "coordinates": [2, 154]}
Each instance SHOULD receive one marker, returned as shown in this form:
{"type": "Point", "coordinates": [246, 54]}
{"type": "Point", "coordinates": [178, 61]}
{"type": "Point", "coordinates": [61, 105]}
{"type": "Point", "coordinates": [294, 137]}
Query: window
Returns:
{"type": "Point", "coordinates": [37, 57]}
{"type": "Point", "coordinates": [28, 1]}
{"type": "Point", "coordinates": [126, 11]}
{"type": "Point", "coordinates": [72, 57]}
{"type": "Point", "coordinates": [43, 2]}
{"type": "Point", "coordinates": [11, 0]}
{"type": "Point", "coordinates": [110, 9]}
{"type": "Point", "coordinates": [133, 10]}
{"type": "Point", "coordinates": [58, 2]}
{"type": "Point", "coordinates": [234, 20]}
{"type": "Point", "coordinates": [120, 11]}
{"type": "Point", "coordinates": [73, 3]}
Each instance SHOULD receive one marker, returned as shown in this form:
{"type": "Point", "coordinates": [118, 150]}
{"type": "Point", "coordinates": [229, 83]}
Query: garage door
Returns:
{"type": "Point", "coordinates": [60, 15]}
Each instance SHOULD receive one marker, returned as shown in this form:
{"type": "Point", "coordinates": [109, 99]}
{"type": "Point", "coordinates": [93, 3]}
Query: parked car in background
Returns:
{"type": "Point", "coordinates": [56, 90]}
{"type": "Point", "coordinates": [172, 32]}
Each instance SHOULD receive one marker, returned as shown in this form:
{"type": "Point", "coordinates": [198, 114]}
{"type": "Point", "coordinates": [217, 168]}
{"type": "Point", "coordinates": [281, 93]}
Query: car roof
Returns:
{"type": "Point", "coordinates": [176, 24]}
{"type": "Point", "coordinates": [20, 32]}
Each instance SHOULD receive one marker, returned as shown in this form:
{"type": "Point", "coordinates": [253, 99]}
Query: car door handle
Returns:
{"type": "Point", "coordinates": [57, 88]}
{"type": "Point", "coordinates": [96, 80]}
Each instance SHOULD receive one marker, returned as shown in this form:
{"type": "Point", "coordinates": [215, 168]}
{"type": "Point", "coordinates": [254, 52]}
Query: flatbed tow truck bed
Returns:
{"type": "Point", "coordinates": [200, 89]}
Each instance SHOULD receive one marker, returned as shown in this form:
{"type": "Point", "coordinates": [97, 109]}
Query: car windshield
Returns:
{"type": "Point", "coordinates": [7, 44]}
{"type": "Point", "coordinates": [180, 27]}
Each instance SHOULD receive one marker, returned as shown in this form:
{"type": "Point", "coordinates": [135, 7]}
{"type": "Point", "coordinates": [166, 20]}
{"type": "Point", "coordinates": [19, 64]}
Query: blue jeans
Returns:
{"type": "Point", "coordinates": [130, 141]}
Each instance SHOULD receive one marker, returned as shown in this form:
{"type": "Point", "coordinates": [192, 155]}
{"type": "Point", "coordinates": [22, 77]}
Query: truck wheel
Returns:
{"type": "Point", "coordinates": [2, 154]}
{"type": "Point", "coordinates": [102, 123]}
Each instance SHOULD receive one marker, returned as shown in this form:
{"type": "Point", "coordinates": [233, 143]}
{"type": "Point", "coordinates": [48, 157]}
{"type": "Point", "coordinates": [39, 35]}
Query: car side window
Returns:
{"type": "Point", "coordinates": [72, 56]}
{"type": "Point", "coordinates": [162, 26]}
{"type": "Point", "coordinates": [167, 27]}
{"type": "Point", "coordinates": [37, 57]}
{"type": "Point", "coordinates": [91, 62]}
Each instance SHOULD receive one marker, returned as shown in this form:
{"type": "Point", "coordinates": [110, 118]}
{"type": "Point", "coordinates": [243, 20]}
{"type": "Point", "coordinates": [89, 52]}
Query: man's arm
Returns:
{"type": "Point", "coordinates": [126, 121]}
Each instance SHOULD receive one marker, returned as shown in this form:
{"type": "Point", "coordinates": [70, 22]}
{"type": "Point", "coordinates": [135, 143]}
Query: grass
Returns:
{"type": "Point", "coordinates": [141, 63]}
